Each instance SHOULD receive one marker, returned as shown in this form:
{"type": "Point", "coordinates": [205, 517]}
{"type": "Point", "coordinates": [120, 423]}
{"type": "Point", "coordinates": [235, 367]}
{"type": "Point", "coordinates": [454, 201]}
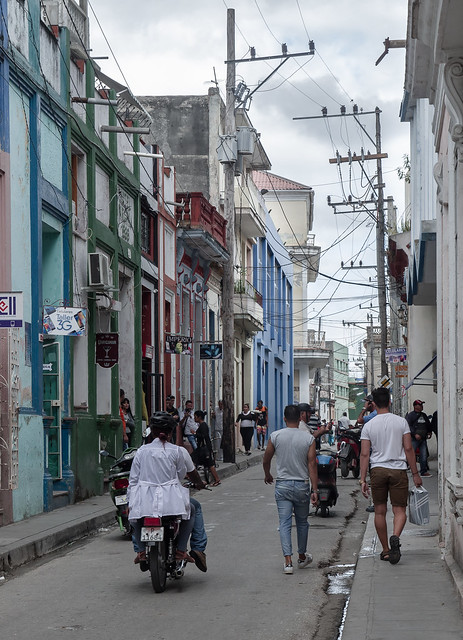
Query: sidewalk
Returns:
{"type": "Point", "coordinates": [417, 598]}
{"type": "Point", "coordinates": [22, 542]}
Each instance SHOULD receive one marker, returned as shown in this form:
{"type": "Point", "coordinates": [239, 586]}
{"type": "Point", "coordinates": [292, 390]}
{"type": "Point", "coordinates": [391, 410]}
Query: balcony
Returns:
{"type": "Point", "coordinates": [201, 227]}
{"type": "Point", "coordinates": [313, 352]}
{"type": "Point", "coordinates": [248, 311]}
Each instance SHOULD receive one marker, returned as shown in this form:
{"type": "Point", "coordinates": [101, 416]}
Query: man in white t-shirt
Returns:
{"type": "Point", "coordinates": [387, 447]}
{"type": "Point", "coordinates": [296, 458]}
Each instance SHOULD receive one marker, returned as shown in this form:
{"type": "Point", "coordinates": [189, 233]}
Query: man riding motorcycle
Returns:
{"type": "Point", "coordinates": [155, 485]}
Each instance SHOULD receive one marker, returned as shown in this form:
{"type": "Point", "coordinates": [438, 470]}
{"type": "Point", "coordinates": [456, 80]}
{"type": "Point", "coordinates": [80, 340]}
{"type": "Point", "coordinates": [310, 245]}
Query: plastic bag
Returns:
{"type": "Point", "coordinates": [418, 506]}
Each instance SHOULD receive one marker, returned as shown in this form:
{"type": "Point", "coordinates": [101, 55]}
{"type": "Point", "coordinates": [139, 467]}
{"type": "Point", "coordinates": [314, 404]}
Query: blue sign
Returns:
{"type": "Point", "coordinates": [11, 309]}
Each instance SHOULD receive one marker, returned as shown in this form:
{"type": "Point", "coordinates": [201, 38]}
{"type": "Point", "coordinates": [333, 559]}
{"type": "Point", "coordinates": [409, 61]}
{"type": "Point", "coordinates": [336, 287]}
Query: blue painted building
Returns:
{"type": "Point", "coordinates": [273, 347]}
{"type": "Point", "coordinates": [36, 259]}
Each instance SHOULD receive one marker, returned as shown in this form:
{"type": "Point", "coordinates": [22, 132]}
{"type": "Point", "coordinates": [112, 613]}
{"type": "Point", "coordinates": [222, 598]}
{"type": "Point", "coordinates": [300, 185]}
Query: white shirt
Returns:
{"type": "Point", "coordinates": [385, 432]}
{"type": "Point", "coordinates": [343, 422]}
{"type": "Point", "coordinates": [155, 487]}
{"type": "Point", "coordinates": [190, 424]}
{"type": "Point", "coordinates": [303, 426]}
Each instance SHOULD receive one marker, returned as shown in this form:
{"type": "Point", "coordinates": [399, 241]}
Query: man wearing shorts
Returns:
{"type": "Point", "coordinates": [387, 447]}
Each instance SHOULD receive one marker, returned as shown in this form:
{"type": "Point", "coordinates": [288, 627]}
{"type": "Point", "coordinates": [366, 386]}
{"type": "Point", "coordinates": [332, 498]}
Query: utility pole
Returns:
{"type": "Point", "coordinates": [380, 252]}
{"type": "Point", "coordinates": [228, 280]}
{"type": "Point", "coordinates": [379, 218]}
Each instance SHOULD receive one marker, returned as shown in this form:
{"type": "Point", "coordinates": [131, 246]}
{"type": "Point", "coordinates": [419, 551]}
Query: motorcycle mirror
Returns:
{"type": "Point", "coordinates": [104, 453]}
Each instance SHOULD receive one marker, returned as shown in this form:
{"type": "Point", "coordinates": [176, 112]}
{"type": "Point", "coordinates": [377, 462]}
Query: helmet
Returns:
{"type": "Point", "coordinates": [163, 421]}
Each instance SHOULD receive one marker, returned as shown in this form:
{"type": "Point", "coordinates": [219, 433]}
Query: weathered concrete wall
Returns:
{"type": "Point", "coordinates": [181, 129]}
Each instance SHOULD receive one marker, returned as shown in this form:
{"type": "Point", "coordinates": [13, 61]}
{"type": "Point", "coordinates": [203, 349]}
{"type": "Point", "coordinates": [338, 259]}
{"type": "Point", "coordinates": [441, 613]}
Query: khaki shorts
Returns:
{"type": "Point", "coordinates": [392, 482]}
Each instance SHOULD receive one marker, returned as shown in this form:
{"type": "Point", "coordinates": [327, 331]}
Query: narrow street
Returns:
{"type": "Point", "coordinates": [94, 590]}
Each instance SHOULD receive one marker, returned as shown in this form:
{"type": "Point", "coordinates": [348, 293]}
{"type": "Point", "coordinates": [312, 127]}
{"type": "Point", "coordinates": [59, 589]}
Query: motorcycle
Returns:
{"type": "Point", "coordinates": [119, 478]}
{"type": "Point", "coordinates": [160, 536]}
{"type": "Point", "coordinates": [349, 452]}
{"type": "Point", "coordinates": [327, 490]}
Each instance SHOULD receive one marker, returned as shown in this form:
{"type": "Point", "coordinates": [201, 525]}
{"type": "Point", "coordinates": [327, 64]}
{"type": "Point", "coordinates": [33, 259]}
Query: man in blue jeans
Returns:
{"type": "Point", "coordinates": [296, 466]}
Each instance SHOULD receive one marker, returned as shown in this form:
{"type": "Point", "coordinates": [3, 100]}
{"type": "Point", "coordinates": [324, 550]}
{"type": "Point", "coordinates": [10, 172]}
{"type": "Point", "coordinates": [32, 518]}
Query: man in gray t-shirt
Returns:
{"type": "Point", "coordinates": [296, 459]}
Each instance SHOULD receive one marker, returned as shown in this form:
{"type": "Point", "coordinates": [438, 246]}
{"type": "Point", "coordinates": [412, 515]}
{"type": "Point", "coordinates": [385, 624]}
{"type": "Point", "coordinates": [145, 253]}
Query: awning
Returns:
{"type": "Point", "coordinates": [412, 381]}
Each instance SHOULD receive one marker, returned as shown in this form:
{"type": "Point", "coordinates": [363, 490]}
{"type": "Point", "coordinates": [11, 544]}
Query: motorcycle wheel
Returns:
{"type": "Point", "coordinates": [344, 468]}
{"type": "Point", "coordinates": [356, 471]}
{"type": "Point", "coordinates": [158, 567]}
{"type": "Point", "coordinates": [324, 511]}
{"type": "Point", "coordinates": [127, 527]}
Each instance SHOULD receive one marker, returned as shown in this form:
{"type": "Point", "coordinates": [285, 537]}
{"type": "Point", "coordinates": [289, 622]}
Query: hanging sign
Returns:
{"type": "Point", "coordinates": [64, 321]}
{"type": "Point", "coordinates": [11, 309]}
{"type": "Point", "coordinates": [179, 344]}
{"type": "Point", "coordinates": [107, 349]}
{"type": "Point", "coordinates": [210, 351]}
{"type": "Point", "coordinates": [396, 355]}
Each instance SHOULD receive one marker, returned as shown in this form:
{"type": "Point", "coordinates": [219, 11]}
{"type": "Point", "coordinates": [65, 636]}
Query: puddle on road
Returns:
{"type": "Point", "coordinates": [340, 582]}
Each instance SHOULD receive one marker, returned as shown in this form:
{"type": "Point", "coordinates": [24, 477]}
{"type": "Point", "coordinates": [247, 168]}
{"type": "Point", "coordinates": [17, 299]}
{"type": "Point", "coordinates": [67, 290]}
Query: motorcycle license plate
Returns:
{"type": "Point", "coordinates": [152, 534]}
{"type": "Point", "coordinates": [120, 499]}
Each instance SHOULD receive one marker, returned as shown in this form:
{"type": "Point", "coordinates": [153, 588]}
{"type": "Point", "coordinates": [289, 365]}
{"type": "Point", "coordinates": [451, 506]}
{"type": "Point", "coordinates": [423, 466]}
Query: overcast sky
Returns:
{"type": "Point", "coordinates": [179, 47]}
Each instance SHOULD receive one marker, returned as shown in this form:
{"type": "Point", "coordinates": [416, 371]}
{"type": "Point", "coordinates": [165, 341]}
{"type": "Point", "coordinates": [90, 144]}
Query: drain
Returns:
{"type": "Point", "coordinates": [340, 580]}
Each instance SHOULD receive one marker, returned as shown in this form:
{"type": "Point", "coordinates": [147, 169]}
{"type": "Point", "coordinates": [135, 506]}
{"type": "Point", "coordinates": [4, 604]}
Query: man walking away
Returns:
{"type": "Point", "coordinates": [296, 464]}
{"type": "Point", "coordinates": [388, 438]}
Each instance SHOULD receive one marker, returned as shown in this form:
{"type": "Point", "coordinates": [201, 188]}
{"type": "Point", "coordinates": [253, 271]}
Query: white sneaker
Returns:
{"type": "Point", "coordinates": [301, 564]}
{"type": "Point", "coordinates": [288, 569]}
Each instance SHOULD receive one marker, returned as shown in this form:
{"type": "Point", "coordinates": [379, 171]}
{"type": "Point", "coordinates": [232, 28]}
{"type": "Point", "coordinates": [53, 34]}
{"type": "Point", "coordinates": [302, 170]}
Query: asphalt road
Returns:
{"type": "Point", "coordinates": [95, 591]}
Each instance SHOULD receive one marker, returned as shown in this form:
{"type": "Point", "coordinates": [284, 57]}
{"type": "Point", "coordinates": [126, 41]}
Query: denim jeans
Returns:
{"type": "Point", "coordinates": [293, 496]}
{"type": "Point", "coordinates": [192, 440]}
{"type": "Point", "coordinates": [420, 445]}
{"type": "Point", "coordinates": [184, 533]}
{"type": "Point", "coordinates": [198, 540]}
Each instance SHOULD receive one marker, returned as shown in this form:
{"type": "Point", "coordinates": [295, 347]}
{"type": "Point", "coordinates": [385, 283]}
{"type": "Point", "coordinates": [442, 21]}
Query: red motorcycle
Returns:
{"type": "Point", "coordinates": [349, 452]}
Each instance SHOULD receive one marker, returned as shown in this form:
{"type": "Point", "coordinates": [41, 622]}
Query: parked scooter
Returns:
{"type": "Point", "coordinates": [349, 452]}
{"type": "Point", "coordinates": [119, 479]}
{"type": "Point", "coordinates": [160, 536]}
{"type": "Point", "coordinates": [327, 490]}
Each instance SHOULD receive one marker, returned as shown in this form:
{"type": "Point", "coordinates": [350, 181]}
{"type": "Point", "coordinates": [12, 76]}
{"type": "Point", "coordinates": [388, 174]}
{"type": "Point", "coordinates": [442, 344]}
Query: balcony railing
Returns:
{"type": "Point", "coordinates": [198, 213]}
{"type": "Point", "coordinates": [246, 288]}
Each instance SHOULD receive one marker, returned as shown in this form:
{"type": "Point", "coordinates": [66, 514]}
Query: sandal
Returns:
{"type": "Point", "coordinates": [216, 484]}
{"type": "Point", "coordinates": [384, 555]}
{"type": "Point", "coordinates": [140, 557]}
{"type": "Point", "coordinates": [183, 555]}
{"type": "Point", "coordinates": [394, 553]}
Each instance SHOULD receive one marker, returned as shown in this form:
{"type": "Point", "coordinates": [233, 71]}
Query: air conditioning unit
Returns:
{"type": "Point", "coordinates": [98, 271]}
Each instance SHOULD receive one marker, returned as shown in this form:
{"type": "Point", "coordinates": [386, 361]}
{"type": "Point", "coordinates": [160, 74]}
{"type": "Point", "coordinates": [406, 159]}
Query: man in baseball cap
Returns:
{"type": "Point", "coordinates": [420, 428]}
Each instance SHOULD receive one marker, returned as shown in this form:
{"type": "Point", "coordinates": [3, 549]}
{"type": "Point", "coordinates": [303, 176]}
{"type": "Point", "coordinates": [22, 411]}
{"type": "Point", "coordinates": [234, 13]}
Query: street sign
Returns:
{"type": "Point", "coordinates": [107, 349]}
{"type": "Point", "coordinates": [385, 382]}
{"type": "Point", "coordinates": [11, 309]}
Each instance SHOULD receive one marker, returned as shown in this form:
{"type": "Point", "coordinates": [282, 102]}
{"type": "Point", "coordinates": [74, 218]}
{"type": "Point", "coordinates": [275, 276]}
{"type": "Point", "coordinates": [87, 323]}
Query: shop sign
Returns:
{"type": "Point", "coordinates": [64, 321]}
{"type": "Point", "coordinates": [210, 351]}
{"type": "Point", "coordinates": [179, 344]}
{"type": "Point", "coordinates": [107, 349]}
{"type": "Point", "coordinates": [11, 309]}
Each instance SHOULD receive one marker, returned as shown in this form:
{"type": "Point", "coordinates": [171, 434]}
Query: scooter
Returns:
{"type": "Point", "coordinates": [119, 479]}
{"type": "Point", "coordinates": [160, 536]}
{"type": "Point", "coordinates": [327, 490]}
{"type": "Point", "coordinates": [349, 452]}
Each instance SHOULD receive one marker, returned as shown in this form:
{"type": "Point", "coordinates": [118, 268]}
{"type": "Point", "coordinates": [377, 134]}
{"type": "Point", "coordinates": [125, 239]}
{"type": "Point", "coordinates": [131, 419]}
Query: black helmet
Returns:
{"type": "Point", "coordinates": [163, 421]}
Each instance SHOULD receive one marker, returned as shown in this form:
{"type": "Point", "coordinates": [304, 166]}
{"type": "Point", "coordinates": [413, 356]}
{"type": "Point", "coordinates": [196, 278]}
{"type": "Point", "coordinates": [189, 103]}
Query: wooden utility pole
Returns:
{"type": "Point", "coordinates": [228, 280]}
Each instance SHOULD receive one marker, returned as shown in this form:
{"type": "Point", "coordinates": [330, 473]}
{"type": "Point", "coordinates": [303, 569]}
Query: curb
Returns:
{"type": "Point", "coordinates": [49, 541]}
